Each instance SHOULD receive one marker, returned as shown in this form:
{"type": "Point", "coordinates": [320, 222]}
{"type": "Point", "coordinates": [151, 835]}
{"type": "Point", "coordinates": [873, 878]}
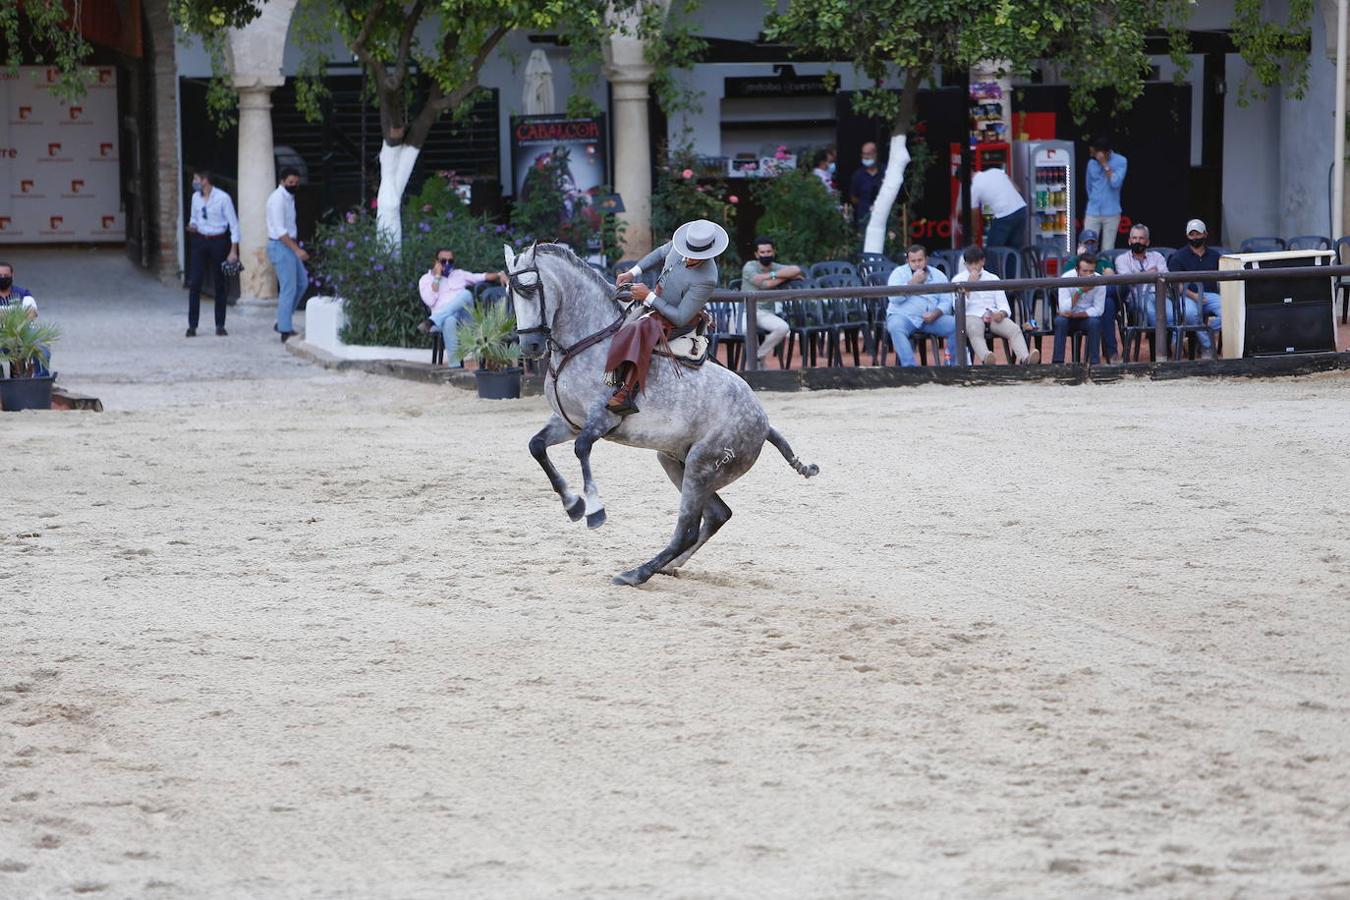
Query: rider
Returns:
{"type": "Point", "coordinates": [688, 278]}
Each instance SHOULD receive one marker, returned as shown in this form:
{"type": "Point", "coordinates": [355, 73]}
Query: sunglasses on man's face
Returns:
{"type": "Point", "coordinates": [443, 259]}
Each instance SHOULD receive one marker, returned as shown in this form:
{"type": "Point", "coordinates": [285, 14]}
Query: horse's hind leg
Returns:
{"type": "Point", "coordinates": [600, 423]}
{"type": "Point", "coordinates": [695, 492]}
{"type": "Point", "coordinates": [556, 432]}
{"type": "Point", "coordinates": [715, 514]}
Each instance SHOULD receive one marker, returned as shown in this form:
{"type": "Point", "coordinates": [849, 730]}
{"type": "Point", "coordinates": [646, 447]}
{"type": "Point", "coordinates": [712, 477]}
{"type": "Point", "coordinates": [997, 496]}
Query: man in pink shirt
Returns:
{"type": "Point", "coordinates": [445, 291]}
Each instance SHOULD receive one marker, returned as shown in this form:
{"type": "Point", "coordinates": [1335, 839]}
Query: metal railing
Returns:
{"type": "Point", "coordinates": [1158, 280]}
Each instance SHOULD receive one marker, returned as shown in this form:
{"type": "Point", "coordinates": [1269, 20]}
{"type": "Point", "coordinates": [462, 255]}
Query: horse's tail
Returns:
{"type": "Point", "coordinates": [806, 470]}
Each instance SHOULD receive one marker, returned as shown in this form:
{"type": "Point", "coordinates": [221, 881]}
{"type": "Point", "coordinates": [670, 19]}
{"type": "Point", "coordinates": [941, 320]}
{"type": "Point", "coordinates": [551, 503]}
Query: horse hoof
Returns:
{"type": "Point", "coordinates": [577, 509]}
{"type": "Point", "coordinates": [673, 573]}
{"type": "Point", "coordinates": [596, 519]}
{"type": "Point", "coordinates": [632, 578]}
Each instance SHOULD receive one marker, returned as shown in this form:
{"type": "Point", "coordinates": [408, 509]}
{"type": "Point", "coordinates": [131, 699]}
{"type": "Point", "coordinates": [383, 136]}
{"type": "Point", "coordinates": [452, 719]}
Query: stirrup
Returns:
{"type": "Point", "coordinates": [626, 408]}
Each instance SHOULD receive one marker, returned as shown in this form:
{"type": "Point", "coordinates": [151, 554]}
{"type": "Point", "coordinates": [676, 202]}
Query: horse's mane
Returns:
{"type": "Point", "coordinates": [565, 253]}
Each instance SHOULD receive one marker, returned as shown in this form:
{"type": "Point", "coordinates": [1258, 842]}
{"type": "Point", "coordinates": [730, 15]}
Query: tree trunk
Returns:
{"type": "Point", "coordinates": [396, 165]}
{"type": "Point", "coordinates": [874, 240]}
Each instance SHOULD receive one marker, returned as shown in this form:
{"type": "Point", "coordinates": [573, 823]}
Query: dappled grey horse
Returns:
{"type": "Point", "coordinates": [705, 423]}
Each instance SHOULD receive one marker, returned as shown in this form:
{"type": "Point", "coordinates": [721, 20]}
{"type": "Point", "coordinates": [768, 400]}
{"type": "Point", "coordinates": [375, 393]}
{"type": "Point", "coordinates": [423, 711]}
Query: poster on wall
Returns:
{"type": "Point", "coordinates": [59, 171]}
{"type": "Point", "coordinates": [534, 139]}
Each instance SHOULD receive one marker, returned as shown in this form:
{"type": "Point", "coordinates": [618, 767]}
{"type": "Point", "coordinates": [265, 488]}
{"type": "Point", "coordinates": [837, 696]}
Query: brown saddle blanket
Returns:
{"type": "Point", "coordinates": [639, 339]}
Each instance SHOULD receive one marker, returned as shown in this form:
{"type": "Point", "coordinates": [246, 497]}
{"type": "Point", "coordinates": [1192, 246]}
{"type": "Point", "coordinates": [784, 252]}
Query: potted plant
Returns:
{"type": "Point", "coordinates": [23, 344]}
{"type": "Point", "coordinates": [487, 335]}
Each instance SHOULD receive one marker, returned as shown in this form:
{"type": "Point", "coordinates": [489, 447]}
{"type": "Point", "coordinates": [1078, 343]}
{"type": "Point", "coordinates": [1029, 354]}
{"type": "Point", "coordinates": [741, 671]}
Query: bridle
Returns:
{"type": "Point", "coordinates": [535, 293]}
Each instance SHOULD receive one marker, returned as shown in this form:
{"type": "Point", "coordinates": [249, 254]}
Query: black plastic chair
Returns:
{"type": "Point", "coordinates": [1343, 283]}
{"type": "Point", "coordinates": [727, 331]}
{"type": "Point", "coordinates": [847, 317]}
{"type": "Point", "coordinates": [1036, 304]}
{"type": "Point", "coordinates": [1179, 331]}
{"type": "Point", "coordinates": [1309, 242]}
{"type": "Point", "coordinates": [1262, 245]}
{"type": "Point", "coordinates": [810, 327]}
{"type": "Point", "coordinates": [1002, 261]}
{"type": "Point", "coordinates": [833, 267]}
{"type": "Point", "coordinates": [875, 268]}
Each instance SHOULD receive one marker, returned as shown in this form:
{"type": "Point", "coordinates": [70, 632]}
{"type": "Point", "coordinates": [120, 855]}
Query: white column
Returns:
{"type": "Point", "coordinates": [257, 179]}
{"type": "Point", "coordinates": [630, 76]}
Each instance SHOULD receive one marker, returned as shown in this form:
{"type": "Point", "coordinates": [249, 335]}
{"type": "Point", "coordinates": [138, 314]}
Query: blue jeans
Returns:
{"type": "Point", "coordinates": [292, 280]}
{"type": "Point", "coordinates": [1091, 326]}
{"type": "Point", "coordinates": [1191, 312]}
{"type": "Point", "coordinates": [1110, 347]}
{"type": "Point", "coordinates": [901, 328]}
{"type": "Point", "coordinates": [1009, 231]}
{"type": "Point", "coordinates": [1212, 306]}
{"type": "Point", "coordinates": [447, 317]}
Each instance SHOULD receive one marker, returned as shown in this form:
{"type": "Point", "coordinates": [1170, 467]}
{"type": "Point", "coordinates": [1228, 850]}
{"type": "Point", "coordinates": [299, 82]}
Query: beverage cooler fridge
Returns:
{"type": "Point", "coordinates": [1043, 171]}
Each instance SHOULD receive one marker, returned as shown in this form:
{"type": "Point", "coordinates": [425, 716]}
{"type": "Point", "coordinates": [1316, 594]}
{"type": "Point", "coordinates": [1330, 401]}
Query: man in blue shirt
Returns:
{"type": "Point", "coordinates": [863, 186]}
{"type": "Point", "coordinates": [13, 295]}
{"type": "Point", "coordinates": [1105, 176]}
{"type": "Point", "coordinates": [1202, 297]}
{"type": "Point", "coordinates": [918, 313]}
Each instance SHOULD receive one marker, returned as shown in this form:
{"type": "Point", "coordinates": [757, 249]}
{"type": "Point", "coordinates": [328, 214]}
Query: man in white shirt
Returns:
{"type": "Point", "coordinates": [287, 256]}
{"type": "Point", "coordinates": [990, 308]}
{"type": "Point", "coordinates": [994, 189]}
{"type": "Point", "coordinates": [1080, 310]}
{"type": "Point", "coordinates": [213, 237]}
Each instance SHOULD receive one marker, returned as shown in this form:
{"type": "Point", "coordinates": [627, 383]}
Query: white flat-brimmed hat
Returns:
{"type": "Point", "coordinates": [700, 239]}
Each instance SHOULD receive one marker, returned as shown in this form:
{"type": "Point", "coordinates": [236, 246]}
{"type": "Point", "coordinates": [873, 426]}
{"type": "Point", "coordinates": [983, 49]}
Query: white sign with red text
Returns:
{"type": "Point", "coordinates": [59, 166]}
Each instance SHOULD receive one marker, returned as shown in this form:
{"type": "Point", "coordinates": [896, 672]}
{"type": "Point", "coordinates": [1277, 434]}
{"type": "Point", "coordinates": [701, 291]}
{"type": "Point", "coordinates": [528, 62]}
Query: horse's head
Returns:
{"type": "Point", "coordinates": [527, 295]}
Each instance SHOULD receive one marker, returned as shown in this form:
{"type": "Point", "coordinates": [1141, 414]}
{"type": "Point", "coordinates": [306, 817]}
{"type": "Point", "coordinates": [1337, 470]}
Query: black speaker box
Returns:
{"type": "Point", "coordinates": [1289, 315]}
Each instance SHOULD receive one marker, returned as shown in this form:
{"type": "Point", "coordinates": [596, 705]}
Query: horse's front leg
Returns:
{"type": "Point", "coordinates": [556, 432]}
{"type": "Point", "coordinates": [600, 423]}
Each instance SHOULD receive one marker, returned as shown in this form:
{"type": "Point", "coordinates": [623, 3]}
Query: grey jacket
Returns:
{"type": "Point", "coordinates": [684, 291]}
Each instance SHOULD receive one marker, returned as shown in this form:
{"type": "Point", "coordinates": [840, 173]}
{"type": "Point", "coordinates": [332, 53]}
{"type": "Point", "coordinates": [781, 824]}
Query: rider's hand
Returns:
{"type": "Point", "coordinates": [624, 278]}
{"type": "Point", "coordinates": [640, 292]}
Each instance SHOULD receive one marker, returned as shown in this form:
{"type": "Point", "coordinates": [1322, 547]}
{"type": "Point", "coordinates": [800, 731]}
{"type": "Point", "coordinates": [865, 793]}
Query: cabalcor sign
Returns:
{"type": "Point", "coordinates": [535, 140]}
{"type": "Point", "coordinates": [48, 190]}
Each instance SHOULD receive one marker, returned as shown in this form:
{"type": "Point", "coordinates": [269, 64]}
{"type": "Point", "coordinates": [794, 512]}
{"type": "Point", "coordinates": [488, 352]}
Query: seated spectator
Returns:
{"type": "Point", "coordinates": [909, 314]}
{"type": "Point", "coordinates": [765, 273]}
{"type": "Point", "coordinates": [1204, 295]}
{"type": "Point", "coordinates": [1143, 297]}
{"type": "Point", "coordinates": [10, 294]}
{"type": "Point", "coordinates": [1080, 310]}
{"type": "Point", "coordinates": [1087, 243]}
{"type": "Point", "coordinates": [990, 307]}
{"type": "Point", "coordinates": [445, 291]}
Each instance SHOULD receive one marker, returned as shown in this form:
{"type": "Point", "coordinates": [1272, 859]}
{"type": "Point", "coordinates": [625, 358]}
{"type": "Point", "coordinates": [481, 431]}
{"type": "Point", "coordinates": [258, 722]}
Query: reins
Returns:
{"type": "Point", "coordinates": [567, 354]}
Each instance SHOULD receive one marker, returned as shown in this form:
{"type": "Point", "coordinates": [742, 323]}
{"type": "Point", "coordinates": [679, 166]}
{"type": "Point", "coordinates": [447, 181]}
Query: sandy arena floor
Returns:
{"type": "Point", "coordinates": [317, 635]}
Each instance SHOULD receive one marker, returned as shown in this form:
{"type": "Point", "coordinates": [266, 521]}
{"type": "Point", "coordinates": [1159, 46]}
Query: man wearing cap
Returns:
{"type": "Point", "coordinates": [1087, 243]}
{"type": "Point", "coordinates": [1105, 176]}
{"type": "Point", "coordinates": [688, 278]}
{"type": "Point", "coordinates": [1202, 297]}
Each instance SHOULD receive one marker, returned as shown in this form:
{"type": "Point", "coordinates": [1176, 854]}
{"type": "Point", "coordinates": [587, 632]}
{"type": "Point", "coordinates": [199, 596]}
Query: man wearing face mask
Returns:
{"type": "Point", "coordinates": [765, 273]}
{"type": "Point", "coordinates": [287, 256]}
{"type": "Point", "coordinates": [863, 187]}
{"type": "Point", "coordinates": [823, 168]}
{"type": "Point", "coordinates": [1204, 295]}
{"type": "Point", "coordinates": [213, 238]}
{"type": "Point", "coordinates": [445, 291]}
{"type": "Point", "coordinates": [11, 295]}
{"type": "Point", "coordinates": [1142, 297]}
